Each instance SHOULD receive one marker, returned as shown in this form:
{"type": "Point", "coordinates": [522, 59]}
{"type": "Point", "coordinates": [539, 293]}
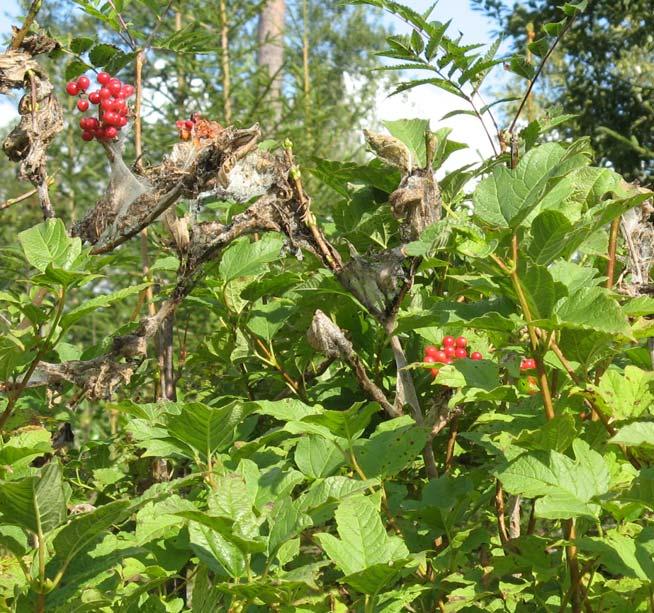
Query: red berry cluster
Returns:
{"type": "Point", "coordinates": [111, 100]}
{"type": "Point", "coordinates": [527, 364]}
{"type": "Point", "coordinates": [452, 349]}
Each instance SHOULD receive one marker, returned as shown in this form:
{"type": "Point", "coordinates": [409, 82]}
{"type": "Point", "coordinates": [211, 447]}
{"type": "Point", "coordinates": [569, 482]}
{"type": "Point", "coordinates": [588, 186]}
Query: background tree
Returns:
{"type": "Point", "coordinates": [601, 71]}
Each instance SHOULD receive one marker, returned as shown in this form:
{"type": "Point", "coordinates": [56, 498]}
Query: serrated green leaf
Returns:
{"type": "Point", "coordinates": [100, 55]}
{"type": "Point", "coordinates": [74, 69]}
{"type": "Point", "coordinates": [402, 435]}
{"type": "Point", "coordinates": [624, 395]}
{"type": "Point", "coordinates": [37, 504]}
{"type": "Point", "coordinates": [637, 434]}
{"type": "Point", "coordinates": [318, 457]}
{"type": "Point", "coordinates": [507, 197]}
{"type": "Point", "coordinates": [48, 243]}
{"type": "Point", "coordinates": [244, 258]}
{"type": "Point", "coordinates": [412, 133]}
{"type": "Point", "coordinates": [591, 308]}
{"type": "Point", "coordinates": [363, 540]}
{"type": "Point", "coordinates": [99, 302]}
{"type": "Point", "coordinates": [207, 429]}
{"type": "Point", "coordinates": [565, 487]}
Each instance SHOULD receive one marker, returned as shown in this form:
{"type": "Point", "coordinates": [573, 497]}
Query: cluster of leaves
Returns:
{"type": "Point", "coordinates": [272, 483]}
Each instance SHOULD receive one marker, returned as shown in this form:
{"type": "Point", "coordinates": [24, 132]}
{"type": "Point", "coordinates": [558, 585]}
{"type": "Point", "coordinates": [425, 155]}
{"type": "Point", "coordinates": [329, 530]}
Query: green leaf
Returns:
{"type": "Point", "coordinates": [556, 434]}
{"type": "Point", "coordinates": [540, 291]}
{"type": "Point", "coordinates": [550, 232]}
{"type": "Point", "coordinates": [375, 578]}
{"type": "Point", "coordinates": [88, 306]}
{"type": "Point", "coordinates": [412, 133]}
{"type": "Point", "coordinates": [20, 449]}
{"type": "Point", "coordinates": [520, 66]}
{"type": "Point", "coordinates": [566, 487]}
{"type": "Point", "coordinates": [637, 434]}
{"type": "Point", "coordinates": [74, 69]}
{"type": "Point", "coordinates": [12, 355]}
{"type": "Point", "coordinates": [244, 258]}
{"type": "Point", "coordinates": [206, 598]}
{"type": "Point", "coordinates": [318, 457]}
{"type": "Point", "coordinates": [333, 488]}
{"type": "Point", "coordinates": [363, 541]}
{"type": "Point", "coordinates": [101, 54]}
{"type": "Point", "coordinates": [506, 198]}
{"type": "Point", "coordinates": [287, 521]}
{"type": "Point", "coordinates": [37, 504]}
{"type": "Point", "coordinates": [347, 424]}
{"type": "Point", "coordinates": [624, 395]}
{"type": "Point", "coordinates": [82, 530]}
{"type": "Point", "coordinates": [287, 409]}
{"type": "Point", "coordinates": [622, 554]}
{"type": "Point", "coordinates": [208, 429]}
{"type": "Point", "coordinates": [591, 308]}
{"type": "Point", "coordinates": [219, 554]}
{"type": "Point", "coordinates": [81, 44]}
{"type": "Point", "coordinates": [402, 435]}
{"type": "Point", "coordinates": [48, 243]}
{"type": "Point", "coordinates": [266, 319]}
{"type": "Point", "coordinates": [539, 47]}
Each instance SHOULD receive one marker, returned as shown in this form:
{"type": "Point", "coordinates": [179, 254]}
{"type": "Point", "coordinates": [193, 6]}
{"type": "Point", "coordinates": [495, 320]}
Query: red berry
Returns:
{"type": "Point", "coordinates": [94, 97]}
{"type": "Point", "coordinates": [475, 355]}
{"type": "Point", "coordinates": [107, 104]}
{"type": "Point", "coordinates": [114, 87]}
{"type": "Point", "coordinates": [461, 341]}
{"type": "Point", "coordinates": [83, 105]}
{"type": "Point", "coordinates": [110, 118]}
{"type": "Point", "coordinates": [527, 364]}
{"type": "Point", "coordinates": [460, 352]}
{"type": "Point", "coordinates": [450, 352]}
{"type": "Point", "coordinates": [188, 124]}
{"type": "Point", "coordinates": [448, 341]}
{"type": "Point", "coordinates": [123, 109]}
{"type": "Point", "coordinates": [104, 78]}
{"type": "Point", "coordinates": [434, 373]}
{"type": "Point", "coordinates": [449, 361]}
{"type": "Point", "coordinates": [105, 93]}
{"type": "Point", "coordinates": [83, 83]}
{"type": "Point", "coordinates": [179, 124]}
{"type": "Point", "coordinates": [430, 350]}
{"type": "Point", "coordinates": [110, 132]}
{"type": "Point", "coordinates": [122, 121]}
{"type": "Point", "coordinates": [127, 91]}
{"type": "Point", "coordinates": [430, 359]}
{"type": "Point", "coordinates": [72, 88]}
{"type": "Point", "coordinates": [83, 123]}
{"type": "Point", "coordinates": [440, 356]}
{"type": "Point", "coordinates": [87, 136]}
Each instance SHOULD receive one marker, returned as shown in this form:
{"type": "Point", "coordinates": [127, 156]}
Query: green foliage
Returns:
{"type": "Point", "coordinates": [276, 477]}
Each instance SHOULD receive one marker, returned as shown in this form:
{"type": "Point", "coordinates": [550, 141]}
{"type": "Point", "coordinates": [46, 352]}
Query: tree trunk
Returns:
{"type": "Point", "coordinates": [271, 49]}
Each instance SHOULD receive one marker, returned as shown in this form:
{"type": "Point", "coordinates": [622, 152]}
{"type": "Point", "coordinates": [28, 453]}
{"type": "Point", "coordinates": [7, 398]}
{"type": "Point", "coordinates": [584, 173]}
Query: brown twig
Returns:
{"type": "Point", "coordinates": [19, 36]}
{"type": "Point", "coordinates": [539, 70]}
{"type": "Point", "coordinates": [18, 199]}
{"type": "Point", "coordinates": [451, 443]}
{"type": "Point", "coordinates": [499, 513]}
{"type": "Point", "coordinates": [613, 248]}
